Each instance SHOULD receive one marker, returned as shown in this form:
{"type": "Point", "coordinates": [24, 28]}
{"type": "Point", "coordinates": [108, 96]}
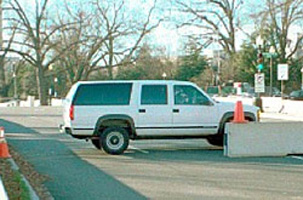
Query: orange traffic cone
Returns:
{"type": "Point", "coordinates": [3, 145]}
{"type": "Point", "coordinates": [239, 113]}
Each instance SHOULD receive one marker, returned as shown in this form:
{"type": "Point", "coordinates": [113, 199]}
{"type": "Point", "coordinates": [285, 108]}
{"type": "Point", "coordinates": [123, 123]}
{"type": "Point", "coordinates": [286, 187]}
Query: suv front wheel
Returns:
{"type": "Point", "coordinates": [217, 139]}
{"type": "Point", "coordinates": [114, 140]}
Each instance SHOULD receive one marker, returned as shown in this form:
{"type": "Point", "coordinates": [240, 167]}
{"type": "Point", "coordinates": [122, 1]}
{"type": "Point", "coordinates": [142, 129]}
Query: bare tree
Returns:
{"type": "Point", "coordinates": [2, 72]}
{"type": "Point", "coordinates": [4, 52]}
{"type": "Point", "coordinates": [4, 49]}
{"type": "Point", "coordinates": [34, 41]}
{"type": "Point", "coordinates": [280, 18]}
{"type": "Point", "coordinates": [120, 29]}
{"type": "Point", "coordinates": [76, 61]}
{"type": "Point", "coordinates": [107, 38]}
{"type": "Point", "coordinates": [217, 19]}
{"type": "Point", "coordinates": [150, 65]}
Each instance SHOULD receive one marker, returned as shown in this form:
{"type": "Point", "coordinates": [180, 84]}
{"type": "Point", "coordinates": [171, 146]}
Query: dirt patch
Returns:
{"type": "Point", "coordinates": [35, 179]}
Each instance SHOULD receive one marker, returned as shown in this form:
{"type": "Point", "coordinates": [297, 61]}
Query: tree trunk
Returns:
{"type": "Point", "coordinates": [41, 85]}
{"type": "Point", "coordinates": [111, 57]}
{"type": "Point", "coordinates": [3, 89]}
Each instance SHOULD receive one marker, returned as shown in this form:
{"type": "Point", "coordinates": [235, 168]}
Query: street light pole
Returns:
{"type": "Point", "coordinates": [302, 78]}
{"type": "Point", "coordinates": [50, 90]}
{"type": "Point", "coordinates": [270, 68]}
{"type": "Point", "coordinates": [15, 83]}
{"type": "Point", "coordinates": [55, 84]}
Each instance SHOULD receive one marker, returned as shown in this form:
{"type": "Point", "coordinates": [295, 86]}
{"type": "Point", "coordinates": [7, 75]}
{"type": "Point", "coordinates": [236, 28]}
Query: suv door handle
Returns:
{"type": "Point", "coordinates": [175, 110]}
{"type": "Point", "coordinates": [142, 111]}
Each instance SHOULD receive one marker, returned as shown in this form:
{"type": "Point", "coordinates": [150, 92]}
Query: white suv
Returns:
{"type": "Point", "coordinates": [112, 112]}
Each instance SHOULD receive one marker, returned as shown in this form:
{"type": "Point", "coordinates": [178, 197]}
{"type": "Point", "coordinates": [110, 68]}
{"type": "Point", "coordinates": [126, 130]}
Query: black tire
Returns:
{"type": "Point", "coordinates": [114, 140]}
{"type": "Point", "coordinates": [97, 143]}
{"type": "Point", "coordinates": [216, 140]}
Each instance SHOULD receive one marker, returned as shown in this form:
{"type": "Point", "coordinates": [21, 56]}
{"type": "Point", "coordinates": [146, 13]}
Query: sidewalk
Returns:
{"type": "Point", "coordinates": [282, 116]}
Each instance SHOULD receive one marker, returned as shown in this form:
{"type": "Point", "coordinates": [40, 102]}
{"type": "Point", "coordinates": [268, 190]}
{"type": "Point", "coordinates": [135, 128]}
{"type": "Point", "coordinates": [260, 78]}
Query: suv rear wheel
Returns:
{"type": "Point", "coordinates": [97, 143]}
{"type": "Point", "coordinates": [114, 140]}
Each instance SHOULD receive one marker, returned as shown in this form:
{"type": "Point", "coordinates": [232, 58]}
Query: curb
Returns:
{"type": "Point", "coordinates": [281, 116]}
{"type": "Point", "coordinates": [3, 194]}
{"type": "Point", "coordinates": [31, 191]}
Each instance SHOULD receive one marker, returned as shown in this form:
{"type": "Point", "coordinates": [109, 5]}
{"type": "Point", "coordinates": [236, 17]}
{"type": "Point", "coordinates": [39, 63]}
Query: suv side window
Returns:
{"type": "Point", "coordinates": [103, 94]}
{"type": "Point", "coordinates": [154, 95]}
{"type": "Point", "coordinates": [189, 95]}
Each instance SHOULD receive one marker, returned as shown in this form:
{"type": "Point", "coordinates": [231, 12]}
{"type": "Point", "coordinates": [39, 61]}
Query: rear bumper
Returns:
{"type": "Point", "coordinates": [64, 129]}
{"type": "Point", "coordinates": [75, 133]}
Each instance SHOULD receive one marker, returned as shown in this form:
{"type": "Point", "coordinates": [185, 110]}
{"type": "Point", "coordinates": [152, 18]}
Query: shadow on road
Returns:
{"type": "Point", "coordinates": [11, 127]}
{"type": "Point", "coordinates": [205, 155]}
{"type": "Point", "coordinates": [70, 177]}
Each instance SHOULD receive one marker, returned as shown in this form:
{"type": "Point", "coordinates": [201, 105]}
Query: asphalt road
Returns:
{"type": "Point", "coordinates": [153, 169]}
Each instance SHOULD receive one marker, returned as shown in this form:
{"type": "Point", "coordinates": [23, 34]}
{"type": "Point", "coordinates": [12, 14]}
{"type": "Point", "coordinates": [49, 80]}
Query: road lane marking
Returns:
{"type": "Point", "coordinates": [137, 149]}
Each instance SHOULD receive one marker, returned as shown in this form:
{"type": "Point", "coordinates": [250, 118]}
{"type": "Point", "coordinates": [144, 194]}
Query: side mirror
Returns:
{"type": "Point", "coordinates": [209, 103]}
{"type": "Point", "coordinates": [205, 102]}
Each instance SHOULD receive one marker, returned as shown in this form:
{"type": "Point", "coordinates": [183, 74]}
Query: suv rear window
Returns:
{"type": "Point", "coordinates": [103, 94]}
{"type": "Point", "coordinates": [154, 95]}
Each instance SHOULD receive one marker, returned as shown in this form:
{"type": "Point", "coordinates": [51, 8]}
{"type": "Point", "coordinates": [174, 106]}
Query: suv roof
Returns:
{"type": "Point", "coordinates": [133, 81]}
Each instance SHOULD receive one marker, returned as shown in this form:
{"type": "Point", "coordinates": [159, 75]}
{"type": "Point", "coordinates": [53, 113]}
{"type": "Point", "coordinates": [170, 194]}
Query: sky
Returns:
{"type": "Point", "coordinates": [167, 35]}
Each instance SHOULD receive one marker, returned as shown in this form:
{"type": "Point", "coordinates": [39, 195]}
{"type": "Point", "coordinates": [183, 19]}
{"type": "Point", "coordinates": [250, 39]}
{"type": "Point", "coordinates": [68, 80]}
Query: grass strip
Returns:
{"type": "Point", "coordinates": [14, 185]}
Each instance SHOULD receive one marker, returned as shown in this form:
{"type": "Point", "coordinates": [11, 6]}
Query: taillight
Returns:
{"type": "Point", "coordinates": [71, 112]}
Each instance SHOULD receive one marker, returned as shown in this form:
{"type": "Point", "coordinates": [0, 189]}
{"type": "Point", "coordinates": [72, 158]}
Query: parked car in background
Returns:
{"type": "Point", "coordinates": [213, 91]}
{"type": "Point", "coordinates": [296, 95]}
{"type": "Point", "coordinates": [274, 93]}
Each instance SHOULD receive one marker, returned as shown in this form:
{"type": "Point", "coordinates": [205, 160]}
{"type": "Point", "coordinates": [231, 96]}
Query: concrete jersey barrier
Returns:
{"type": "Point", "coordinates": [263, 139]}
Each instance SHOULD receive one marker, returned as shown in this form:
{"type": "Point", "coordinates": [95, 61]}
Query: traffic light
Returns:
{"type": "Point", "coordinates": [260, 58]}
{"type": "Point", "coordinates": [260, 61]}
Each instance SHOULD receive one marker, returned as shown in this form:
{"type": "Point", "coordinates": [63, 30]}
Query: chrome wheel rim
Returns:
{"type": "Point", "coordinates": [115, 140]}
